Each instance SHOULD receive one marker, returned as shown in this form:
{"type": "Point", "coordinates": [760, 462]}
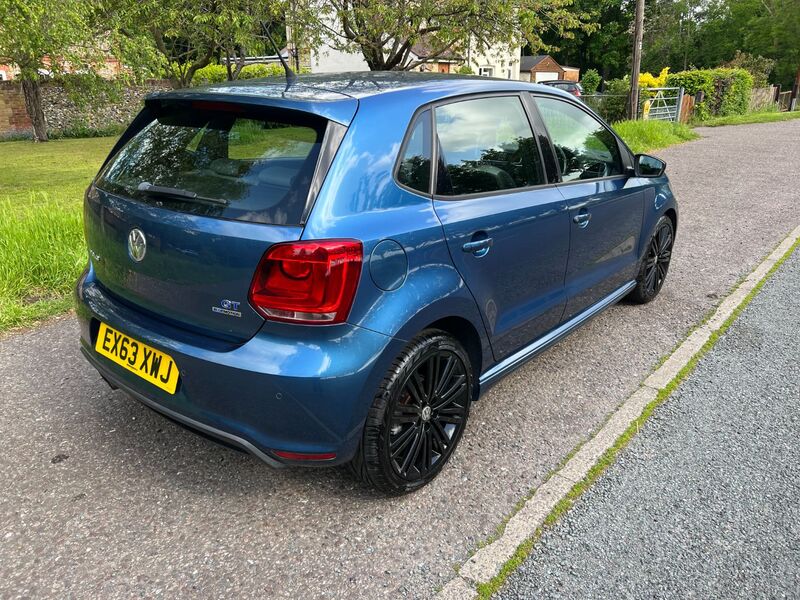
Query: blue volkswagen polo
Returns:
{"type": "Point", "coordinates": [331, 270]}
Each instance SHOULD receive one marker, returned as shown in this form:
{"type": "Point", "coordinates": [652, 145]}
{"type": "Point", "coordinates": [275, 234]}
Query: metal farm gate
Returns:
{"type": "Point", "coordinates": [662, 104]}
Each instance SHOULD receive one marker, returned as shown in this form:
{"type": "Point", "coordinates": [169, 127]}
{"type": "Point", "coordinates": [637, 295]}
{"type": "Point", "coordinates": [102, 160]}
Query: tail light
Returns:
{"type": "Point", "coordinates": [307, 282]}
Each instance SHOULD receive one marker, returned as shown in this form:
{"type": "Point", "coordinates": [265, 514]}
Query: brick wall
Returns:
{"type": "Point", "coordinates": [13, 116]}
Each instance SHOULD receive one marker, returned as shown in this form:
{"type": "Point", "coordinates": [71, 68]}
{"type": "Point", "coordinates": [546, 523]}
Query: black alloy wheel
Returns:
{"type": "Point", "coordinates": [418, 416]}
{"type": "Point", "coordinates": [653, 271]}
{"type": "Point", "coordinates": [427, 419]}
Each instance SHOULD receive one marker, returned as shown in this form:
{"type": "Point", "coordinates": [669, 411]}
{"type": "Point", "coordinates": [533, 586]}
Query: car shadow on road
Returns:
{"type": "Point", "coordinates": [133, 435]}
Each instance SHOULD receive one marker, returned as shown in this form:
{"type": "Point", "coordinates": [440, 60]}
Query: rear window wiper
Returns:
{"type": "Point", "coordinates": [177, 193]}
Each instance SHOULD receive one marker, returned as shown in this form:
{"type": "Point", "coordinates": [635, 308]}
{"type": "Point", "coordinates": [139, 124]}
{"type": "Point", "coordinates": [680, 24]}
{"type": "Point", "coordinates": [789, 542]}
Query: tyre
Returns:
{"type": "Point", "coordinates": [418, 415]}
{"type": "Point", "coordinates": [655, 264]}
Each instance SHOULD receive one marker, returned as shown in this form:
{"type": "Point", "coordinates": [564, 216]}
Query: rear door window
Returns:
{"type": "Point", "coordinates": [485, 145]}
{"type": "Point", "coordinates": [229, 162]}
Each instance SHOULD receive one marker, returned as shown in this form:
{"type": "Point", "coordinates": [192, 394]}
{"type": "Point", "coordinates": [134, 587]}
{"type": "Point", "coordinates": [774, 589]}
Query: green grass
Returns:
{"type": "Point", "coordinates": [646, 136]}
{"type": "Point", "coordinates": [41, 236]}
{"type": "Point", "coordinates": [757, 117]}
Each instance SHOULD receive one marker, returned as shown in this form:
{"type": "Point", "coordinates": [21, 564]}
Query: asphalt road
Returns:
{"type": "Point", "coordinates": [141, 507]}
{"type": "Point", "coordinates": [703, 503]}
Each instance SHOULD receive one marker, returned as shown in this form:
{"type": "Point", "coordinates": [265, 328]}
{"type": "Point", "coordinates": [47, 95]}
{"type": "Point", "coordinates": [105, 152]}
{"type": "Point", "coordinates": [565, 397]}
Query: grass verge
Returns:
{"type": "Point", "coordinates": [42, 250]}
{"type": "Point", "coordinates": [759, 117]}
{"type": "Point", "coordinates": [646, 136]}
{"type": "Point", "coordinates": [486, 590]}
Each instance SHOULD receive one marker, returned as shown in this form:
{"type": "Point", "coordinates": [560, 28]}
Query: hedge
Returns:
{"type": "Point", "coordinates": [725, 91]}
{"type": "Point", "coordinates": [219, 73]}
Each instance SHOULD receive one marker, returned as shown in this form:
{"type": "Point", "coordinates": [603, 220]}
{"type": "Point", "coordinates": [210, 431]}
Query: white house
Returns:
{"type": "Point", "coordinates": [326, 59]}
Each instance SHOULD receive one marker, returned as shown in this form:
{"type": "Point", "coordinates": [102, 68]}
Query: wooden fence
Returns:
{"type": "Point", "coordinates": [784, 100]}
{"type": "Point", "coordinates": [762, 98]}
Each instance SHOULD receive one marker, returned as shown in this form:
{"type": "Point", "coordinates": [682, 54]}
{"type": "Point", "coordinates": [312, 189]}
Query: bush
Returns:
{"type": "Point", "coordinates": [648, 80]}
{"type": "Point", "coordinates": [257, 71]}
{"type": "Point", "coordinates": [758, 66]}
{"type": "Point", "coordinates": [210, 74]}
{"type": "Point", "coordinates": [590, 81]}
{"type": "Point", "coordinates": [725, 91]}
{"type": "Point", "coordinates": [219, 73]}
{"type": "Point", "coordinates": [82, 130]}
{"type": "Point", "coordinates": [465, 70]}
{"type": "Point", "coordinates": [614, 106]}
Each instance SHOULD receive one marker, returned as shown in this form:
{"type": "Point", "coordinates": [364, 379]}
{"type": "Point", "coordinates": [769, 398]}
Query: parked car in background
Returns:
{"type": "Point", "coordinates": [571, 87]}
{"type": "Point", "coordinates": [333, 270]}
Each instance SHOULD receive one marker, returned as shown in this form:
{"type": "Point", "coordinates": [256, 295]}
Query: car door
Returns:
{"type": "Point", "coordinates": [606, 205]}
{"type": "Point", "coordinates": [506, 229]}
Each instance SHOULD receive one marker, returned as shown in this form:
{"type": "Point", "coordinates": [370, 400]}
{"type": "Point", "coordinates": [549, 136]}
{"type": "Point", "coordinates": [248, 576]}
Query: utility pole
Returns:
{"type": "Point", "coordinates": [638, 31]}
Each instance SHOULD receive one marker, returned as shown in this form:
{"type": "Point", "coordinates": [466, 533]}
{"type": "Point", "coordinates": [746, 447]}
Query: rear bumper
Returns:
{"type": "Point", "coordinates": [303, 389]}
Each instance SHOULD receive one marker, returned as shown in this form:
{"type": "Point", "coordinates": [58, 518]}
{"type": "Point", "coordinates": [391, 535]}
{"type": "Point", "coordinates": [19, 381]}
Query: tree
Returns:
{"type": "Point", "coordinates": [384, 31]}
{"type": "Point", "coordinates": [46, 36]}
{"type": "Point", "coordinates": [708, 33]}
{"type": "Point", "coordinates": [672, 32]}
{"type": "Point", "coordinates": [605, 47]}
{"type": "Point", "coordinates": [190, 34]}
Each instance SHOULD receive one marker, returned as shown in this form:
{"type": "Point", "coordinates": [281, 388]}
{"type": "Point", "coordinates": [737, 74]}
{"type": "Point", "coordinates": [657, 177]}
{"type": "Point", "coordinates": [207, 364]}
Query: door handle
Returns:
{"type": "Point", "coordinates": [582, 219]}
{"type": "Point", "coordinates": [478, 247]}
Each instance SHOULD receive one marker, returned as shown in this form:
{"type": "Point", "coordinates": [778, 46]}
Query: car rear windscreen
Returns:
{"type": "Point", "coordinates": [221, 160]}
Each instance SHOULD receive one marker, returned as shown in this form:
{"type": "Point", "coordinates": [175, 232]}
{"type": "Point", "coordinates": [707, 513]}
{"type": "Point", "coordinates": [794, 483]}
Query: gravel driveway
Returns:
{"type": "Point", "coordinates": [703, 503]}
{"type": "Point", "coordinates": [101, 497]}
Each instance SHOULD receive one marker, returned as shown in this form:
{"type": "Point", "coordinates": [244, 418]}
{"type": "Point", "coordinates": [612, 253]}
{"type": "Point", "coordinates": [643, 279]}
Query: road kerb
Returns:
{"type": "Point", "coordinates": [584, 459]}
{"type": "Point", "coordinates": [456, 589]}
{"type": "Point", "coordinates": [487, 562]}
{"type": "Point", "coordinates": [660, 378]}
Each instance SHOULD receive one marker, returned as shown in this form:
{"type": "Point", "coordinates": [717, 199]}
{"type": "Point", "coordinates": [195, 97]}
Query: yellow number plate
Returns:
{"type": "Point", "coordinates": [142, 360]}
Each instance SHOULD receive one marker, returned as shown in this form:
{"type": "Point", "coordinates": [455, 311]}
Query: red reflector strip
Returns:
{"type": "Point", "coordinates": [304, 456]}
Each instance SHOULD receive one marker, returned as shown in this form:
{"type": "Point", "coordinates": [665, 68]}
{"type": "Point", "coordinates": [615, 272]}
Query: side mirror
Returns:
{"type": "Point", "coordinates": [649, 166]}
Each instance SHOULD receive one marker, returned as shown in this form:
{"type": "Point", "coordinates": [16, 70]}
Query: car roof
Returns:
{"type": "Point", "coordinates": [335, 96]}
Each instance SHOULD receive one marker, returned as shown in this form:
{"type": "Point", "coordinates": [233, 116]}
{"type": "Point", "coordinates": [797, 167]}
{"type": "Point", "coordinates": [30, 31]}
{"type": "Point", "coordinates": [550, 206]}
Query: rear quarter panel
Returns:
{"type": "Point", "coordinates": [360, 199]}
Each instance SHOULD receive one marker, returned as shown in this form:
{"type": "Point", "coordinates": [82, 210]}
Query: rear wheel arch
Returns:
{"type": "Point", "coordinates": [673, 216]}
{"type": "Point", "coordinates": [467, 335]}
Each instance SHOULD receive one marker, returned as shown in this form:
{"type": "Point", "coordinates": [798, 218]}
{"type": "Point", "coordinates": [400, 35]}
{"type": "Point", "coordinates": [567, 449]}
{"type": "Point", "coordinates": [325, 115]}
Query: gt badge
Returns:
{"type": "Point", "coordinates": [228, 307]}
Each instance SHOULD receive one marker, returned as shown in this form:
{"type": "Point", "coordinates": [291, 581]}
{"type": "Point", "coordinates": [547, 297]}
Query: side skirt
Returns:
{"type": "Point", "coordinates": [519, 358]}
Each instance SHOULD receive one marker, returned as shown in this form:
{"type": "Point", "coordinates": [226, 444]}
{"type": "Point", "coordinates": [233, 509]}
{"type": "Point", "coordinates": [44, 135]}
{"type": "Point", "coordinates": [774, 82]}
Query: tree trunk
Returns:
{"type": "Point", "coordinates": [33, 104]}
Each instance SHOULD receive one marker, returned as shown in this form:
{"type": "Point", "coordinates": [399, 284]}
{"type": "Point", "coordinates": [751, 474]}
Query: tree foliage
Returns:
{"type": "Point", "coordinates": [190, 34]}
{"type": "Point", "coordinates": [606, 46]}
{"type": "Point", "coordinates": [709, 33]}
{"type": "Point", "coordinates": [45, 36]}
{"type": "Point", "coordinates": [384, 31]}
